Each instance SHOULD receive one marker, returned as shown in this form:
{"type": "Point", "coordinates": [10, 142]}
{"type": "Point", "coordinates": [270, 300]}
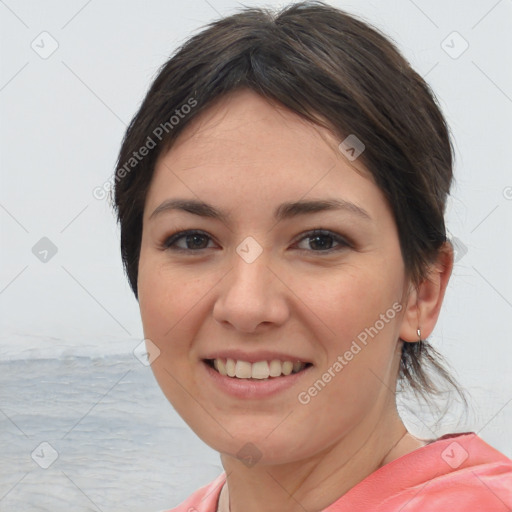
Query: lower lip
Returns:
{"type": "Point", "coordinates": [253, 388]}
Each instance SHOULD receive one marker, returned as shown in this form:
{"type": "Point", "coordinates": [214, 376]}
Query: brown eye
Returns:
{"type": "Point", "coordinates": [323, 241]}
{"type": "Point", "coordinates": [194, 241]}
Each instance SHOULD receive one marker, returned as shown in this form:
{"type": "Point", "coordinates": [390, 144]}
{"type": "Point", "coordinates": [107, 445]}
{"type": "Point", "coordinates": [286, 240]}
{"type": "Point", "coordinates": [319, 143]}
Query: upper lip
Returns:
{"type": "Point", "coordinates": [254, 357]}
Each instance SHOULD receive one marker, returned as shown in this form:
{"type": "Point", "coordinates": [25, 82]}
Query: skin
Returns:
{"type": "Point", "coordinates": [246, 156]}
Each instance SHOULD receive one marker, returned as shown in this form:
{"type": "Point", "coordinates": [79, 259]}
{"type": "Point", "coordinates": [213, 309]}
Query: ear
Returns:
{"type": "Point", "coordinates": [423, 304]}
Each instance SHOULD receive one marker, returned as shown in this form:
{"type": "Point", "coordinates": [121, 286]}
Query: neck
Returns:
{"type": "Point", "coordinates": [317, 482]}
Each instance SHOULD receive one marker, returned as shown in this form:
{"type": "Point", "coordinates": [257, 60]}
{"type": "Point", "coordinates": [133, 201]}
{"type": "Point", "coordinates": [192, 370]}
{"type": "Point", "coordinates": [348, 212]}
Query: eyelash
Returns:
{"type": "Point", "coordinates": [167, 244]}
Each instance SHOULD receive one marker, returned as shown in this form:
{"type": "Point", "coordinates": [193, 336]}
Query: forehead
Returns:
{"type": "Point", "coordinates": [244, 124]}
{"type": "Point", "coordinates": [247, 148]}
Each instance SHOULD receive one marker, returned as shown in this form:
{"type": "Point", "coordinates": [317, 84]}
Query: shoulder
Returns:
{"type": "Point", "coordinates": [204, 499]}
{"type": "Point", "coordinates": [464, 473]}
{"type": "Point", "coordinates": [478, 478]}
{"type": "Point", "coordinates": [458, 472]}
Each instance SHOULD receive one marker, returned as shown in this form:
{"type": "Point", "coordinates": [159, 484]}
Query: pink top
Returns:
{"type": "Point", "coordinates": [456, 473]}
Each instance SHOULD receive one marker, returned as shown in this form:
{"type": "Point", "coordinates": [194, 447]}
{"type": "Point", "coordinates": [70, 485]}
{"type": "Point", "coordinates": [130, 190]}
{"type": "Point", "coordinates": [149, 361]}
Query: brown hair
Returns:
{"type": "Point", "coordinates": [331, 69]}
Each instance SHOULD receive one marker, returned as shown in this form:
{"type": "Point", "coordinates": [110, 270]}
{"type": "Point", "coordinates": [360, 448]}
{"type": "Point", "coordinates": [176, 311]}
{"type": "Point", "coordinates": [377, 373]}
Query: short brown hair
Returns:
{"type": "Point", "coordinates": [334, 70]}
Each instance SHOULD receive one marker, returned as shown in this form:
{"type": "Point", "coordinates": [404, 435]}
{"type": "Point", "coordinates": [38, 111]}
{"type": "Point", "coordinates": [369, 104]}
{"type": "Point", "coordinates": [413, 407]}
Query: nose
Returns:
{"type": "Point", "coordinates": [251, 294]}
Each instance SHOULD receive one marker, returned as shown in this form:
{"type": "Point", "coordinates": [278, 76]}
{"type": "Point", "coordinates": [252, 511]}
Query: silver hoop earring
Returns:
{"type": "Point", "coordinates": [418, 331]}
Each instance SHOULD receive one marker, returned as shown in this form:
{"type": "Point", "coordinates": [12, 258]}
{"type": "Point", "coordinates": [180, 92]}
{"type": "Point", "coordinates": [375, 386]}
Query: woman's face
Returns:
{"type": "Point", "coordinates": [255, 286]}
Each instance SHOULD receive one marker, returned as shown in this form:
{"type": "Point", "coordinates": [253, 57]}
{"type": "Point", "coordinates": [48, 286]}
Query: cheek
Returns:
{"type": "Point", "coordinates": [348, 301]}
{"type": "Point", "coordinates": [166, 300]}
{"type": "Point", "coordinates": [359, 310]}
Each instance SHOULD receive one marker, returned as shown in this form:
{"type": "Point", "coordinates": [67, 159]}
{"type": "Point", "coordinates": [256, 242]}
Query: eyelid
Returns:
{"type": "Point", "coordinates": [338, 238]}
{"type": "Point", "coordinates": [342, 241]}
{"type": "Point", "coordinates": [178, 235]}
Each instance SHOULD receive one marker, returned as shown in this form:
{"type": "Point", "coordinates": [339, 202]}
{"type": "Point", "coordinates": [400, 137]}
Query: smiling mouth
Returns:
{"type": "Point", "coordinates": [261, 370]}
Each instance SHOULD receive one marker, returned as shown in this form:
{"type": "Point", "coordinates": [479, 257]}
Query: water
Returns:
{"type": "Point", "coordinates": [119, 445]}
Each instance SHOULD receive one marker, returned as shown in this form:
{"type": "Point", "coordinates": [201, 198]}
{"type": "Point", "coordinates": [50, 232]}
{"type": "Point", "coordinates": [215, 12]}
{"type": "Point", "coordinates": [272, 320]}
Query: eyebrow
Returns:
{"type": "Point", "coordinates": [284, 211]}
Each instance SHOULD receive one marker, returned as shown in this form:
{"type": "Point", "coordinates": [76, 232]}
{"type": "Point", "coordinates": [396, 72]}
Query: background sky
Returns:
{"type": "Point", "coordinates": [72, 76]}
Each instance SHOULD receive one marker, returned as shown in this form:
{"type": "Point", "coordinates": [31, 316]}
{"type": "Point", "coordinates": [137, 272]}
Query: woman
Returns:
{"type": "Point", "coordinates": [281, 195]}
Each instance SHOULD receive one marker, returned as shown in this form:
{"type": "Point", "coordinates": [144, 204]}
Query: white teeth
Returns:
{"type": "Point", "coordinates": [230, 367]}
{"type": "Point", "coordinates": [275, 368]}
{"type": "Point", "coordinates": [243, 370]}
{"type": "Point", "coordinates": [287, 367]}
{"type": "Point", "coordinates": [260, 370]}
{"type": "Point", "coordinates": [221, 367]}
